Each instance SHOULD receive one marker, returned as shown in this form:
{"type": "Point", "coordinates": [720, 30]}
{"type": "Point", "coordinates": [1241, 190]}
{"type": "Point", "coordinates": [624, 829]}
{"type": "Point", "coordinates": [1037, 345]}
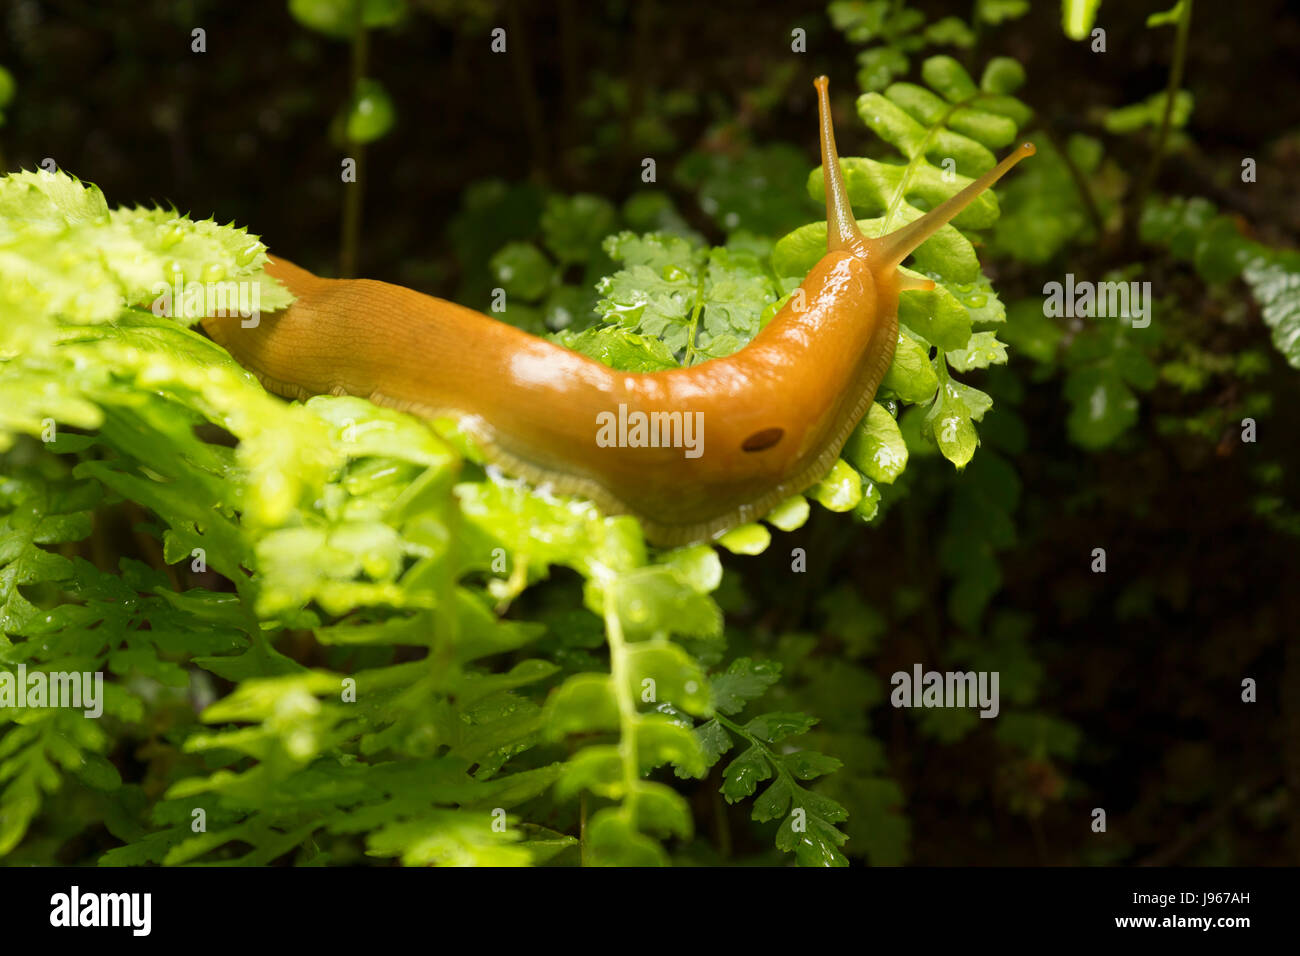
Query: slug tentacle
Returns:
{"type": "Point", "coordinates": [897, 246]}
{"type": "Point", "coordinates": [841, 227]}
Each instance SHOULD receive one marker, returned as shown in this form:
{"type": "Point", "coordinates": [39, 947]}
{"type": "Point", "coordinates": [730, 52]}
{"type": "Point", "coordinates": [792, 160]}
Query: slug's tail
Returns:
{"type": "Point", "coordinates": [295, 278]}
{"type": "Point", "coordinates": [253, 345]}
{"type": "Point", "coordinates": [897, 246]}
{"type": "Point", "coordinates": [226, 329]}
{"type": "Point", "coordinates": [841, 227]}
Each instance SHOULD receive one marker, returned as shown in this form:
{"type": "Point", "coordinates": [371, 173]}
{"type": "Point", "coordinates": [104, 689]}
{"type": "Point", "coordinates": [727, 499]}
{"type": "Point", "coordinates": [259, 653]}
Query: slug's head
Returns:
{"type": "Point", "coordinates": [887, 252]}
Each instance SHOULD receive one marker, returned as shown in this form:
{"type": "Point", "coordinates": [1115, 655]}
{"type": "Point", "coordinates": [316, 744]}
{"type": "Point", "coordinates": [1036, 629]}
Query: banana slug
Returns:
{"type": "Point", "coordinates": [775, 414]}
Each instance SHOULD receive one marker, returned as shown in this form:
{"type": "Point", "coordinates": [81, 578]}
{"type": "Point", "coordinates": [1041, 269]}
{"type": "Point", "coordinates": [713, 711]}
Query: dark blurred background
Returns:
{"type": "Point", "coordinates": [111, 91]}
{"type": "Point", "coordinates": [1145, 660]}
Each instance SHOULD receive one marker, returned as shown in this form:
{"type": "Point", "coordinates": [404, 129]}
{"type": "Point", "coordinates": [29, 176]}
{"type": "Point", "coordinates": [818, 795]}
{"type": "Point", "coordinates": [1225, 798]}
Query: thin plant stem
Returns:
{"type": "Point", "coordinates": [1166, 119]}
{"type": "Point", "coordinates": [530, 102]}
{"type": "Point", "coordinates": [1080, 182]}
{"type": "Point", "coordinates": [350, 237]}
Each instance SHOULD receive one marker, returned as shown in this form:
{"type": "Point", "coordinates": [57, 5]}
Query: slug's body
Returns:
{"type": "Point", "coordinates": [773, 416]}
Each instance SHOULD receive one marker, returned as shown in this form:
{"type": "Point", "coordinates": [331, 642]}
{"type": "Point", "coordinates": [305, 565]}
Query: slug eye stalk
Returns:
{"type": "Point", "coordinates": [841, 227]}
{"type": "Point", "coordinates": [889, 251]}
{"type": "Point", "coordinates": [897, 246]}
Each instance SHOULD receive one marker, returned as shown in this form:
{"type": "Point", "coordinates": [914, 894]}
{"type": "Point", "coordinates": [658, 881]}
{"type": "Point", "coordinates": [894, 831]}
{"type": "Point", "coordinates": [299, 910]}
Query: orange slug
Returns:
{"type": "Point", "coordinates": [739, 434]}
